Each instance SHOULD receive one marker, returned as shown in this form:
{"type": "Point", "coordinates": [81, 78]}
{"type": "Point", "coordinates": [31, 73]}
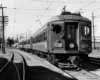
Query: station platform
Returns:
{"type": "Point", "coordinates": [37, 68]}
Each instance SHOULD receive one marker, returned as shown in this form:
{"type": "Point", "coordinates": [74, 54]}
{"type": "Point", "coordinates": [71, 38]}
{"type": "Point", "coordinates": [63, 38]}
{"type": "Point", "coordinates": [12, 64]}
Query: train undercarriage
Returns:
{"type": "Point", "coordinates": [63, 60]}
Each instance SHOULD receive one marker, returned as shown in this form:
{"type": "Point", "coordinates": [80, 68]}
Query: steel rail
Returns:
{"type": "Point", "coordinates": [24, 63]}
{"type": "Point", "coordinates": [6, 64]}
{"type": "Point", "coordinates": [11, 61]}
{"type": "Point", "coordinates": [15, 66]}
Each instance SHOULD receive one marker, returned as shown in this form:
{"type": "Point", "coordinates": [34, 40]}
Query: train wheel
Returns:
{"type": "Point", "coordinates": [52, 59]}
{"type": "Point", "coordinates": [36, 52]}
{"type": "Point", "coordinates": [41, 55]}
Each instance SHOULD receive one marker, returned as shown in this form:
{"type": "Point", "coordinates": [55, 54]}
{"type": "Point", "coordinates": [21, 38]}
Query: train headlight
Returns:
{"type": "Point", "coordinates": [71, 45]}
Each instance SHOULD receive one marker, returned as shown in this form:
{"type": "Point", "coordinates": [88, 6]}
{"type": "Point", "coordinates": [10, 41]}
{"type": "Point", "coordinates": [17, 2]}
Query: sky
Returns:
{"type": "Point", "coordinates": [25, 16]}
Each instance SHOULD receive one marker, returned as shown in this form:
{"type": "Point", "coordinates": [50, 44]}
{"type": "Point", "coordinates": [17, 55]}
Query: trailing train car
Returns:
{"type": "Point", "coordinates": [63, 38]}
{"type": "Point", "coordinates": [24, 44]}
{"type": "Point", "coordinates": [21, 44]}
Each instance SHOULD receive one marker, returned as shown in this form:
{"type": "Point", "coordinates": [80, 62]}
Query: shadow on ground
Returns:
{"type": "Point", "coordinates": [42, 73]}
{"type": "Point", "coordinates": [8, 72]}
{"type": "Point", "coordinates": [32, 72]}
{"type": "Point", "coordinates": [90, 67]}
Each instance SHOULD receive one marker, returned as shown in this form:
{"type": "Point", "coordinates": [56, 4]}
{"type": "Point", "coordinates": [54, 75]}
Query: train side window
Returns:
{"type": "Point", "coordinates": [44, 36]}
{"type": "Point", "coordinates": [40, 38]}
{"type": "Point", "coordinates": [28, 41]}
{"type": "Point", "coordinates": [33, 40]}
{"type": "Point", "coordinates": [24, 42]}
{"type": "Point", "coordinates": [36, 39]}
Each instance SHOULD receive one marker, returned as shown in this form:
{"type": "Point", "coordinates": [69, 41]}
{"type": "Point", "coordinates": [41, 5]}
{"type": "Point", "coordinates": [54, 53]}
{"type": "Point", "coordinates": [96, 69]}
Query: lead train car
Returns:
{"type": "Point", "coordinates": [63, 38]}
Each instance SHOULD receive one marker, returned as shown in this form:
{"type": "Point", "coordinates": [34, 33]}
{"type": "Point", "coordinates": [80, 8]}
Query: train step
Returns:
{"type": "Point", "coordinates": [67, 65]}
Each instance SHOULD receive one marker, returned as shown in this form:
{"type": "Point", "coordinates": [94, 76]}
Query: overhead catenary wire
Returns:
{"type": "Point", "coordinates": [15, 10]}
{"type": "Point", "coordinates": [25, 13]}
{"type": "Point", "coordinates": [54, 9]}
{"type": "Point", "coordinates": [30, 11]}
{"type": "Point", "coordinates": [94, 4]}
{"type": "Point", "coordinates": [98, 16]}
{"type": "Point", "coordinates": [63, 1]}
{"type": "Point", "coordinates": [38, 18]}
{"type": "Point", "coordinates": [47, 8]}
{"type": "Point", "coordinates": [22, 9]}
{"type": "Point", "coordinates": [87, 5]}
{"type": "Point", "coordinates": [14, 16]}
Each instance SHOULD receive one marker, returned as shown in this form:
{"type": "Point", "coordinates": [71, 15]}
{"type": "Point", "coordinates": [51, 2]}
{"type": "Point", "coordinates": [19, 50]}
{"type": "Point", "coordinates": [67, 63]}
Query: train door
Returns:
{"type": "Point", "coordinates": [71, 36]}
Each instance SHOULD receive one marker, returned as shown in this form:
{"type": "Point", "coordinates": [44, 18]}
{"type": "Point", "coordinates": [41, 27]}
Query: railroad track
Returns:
{"type": "Point", "coordinates": [36, 72]}
{"type": "Point", "coordinates": [83, 75]}
{"type": "Point", "coordinates": [21, 69]}
{"type": "Point", "coordinates": [85, 72]}
{"type": "Point", "coordinates": [95, 61]}
{"type": "Point", "coordinates": [12, 70]}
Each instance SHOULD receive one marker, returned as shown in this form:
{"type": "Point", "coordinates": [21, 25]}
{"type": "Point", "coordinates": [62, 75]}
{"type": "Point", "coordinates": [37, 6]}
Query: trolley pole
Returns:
{"type": "Point", "coordinates": [3, 28]}
{"type": "Point", "coordinates": [93, 29]}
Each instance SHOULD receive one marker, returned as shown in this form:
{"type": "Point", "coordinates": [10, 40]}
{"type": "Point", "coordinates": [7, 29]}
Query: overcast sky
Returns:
{"type": "Point", "coordinates": [23, 14]}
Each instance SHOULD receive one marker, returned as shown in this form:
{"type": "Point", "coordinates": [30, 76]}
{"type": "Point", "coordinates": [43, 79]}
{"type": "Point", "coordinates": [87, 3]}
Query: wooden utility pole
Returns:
{"type": "Point", "coordinates": [3, 28]}
{"type": "Point", "coordinates": [93, 29]}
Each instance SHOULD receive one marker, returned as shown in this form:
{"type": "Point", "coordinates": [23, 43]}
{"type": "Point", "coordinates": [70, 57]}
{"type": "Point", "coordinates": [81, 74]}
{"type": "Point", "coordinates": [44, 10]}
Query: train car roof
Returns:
{"type": "Point", "coordinates": [69, 17]}
{"type": "Point", "coordinates": [64, 16]}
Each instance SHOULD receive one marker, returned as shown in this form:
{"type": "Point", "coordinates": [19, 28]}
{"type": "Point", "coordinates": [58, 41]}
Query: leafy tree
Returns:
{"type": "Point", "coordinates": [10, 42]}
